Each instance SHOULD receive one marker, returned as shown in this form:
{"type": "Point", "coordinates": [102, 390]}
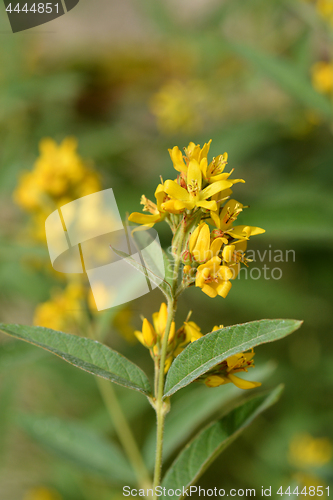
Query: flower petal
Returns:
{"type": "Point", "coordinates": [176, 191]}
{"type": "Point", "coordinates": [194, 175]}
{"type": "Point", "coordinates": [146, 219]}
{"type": "Point", "coordinates": [223, 288]}
{"type": "Point", "coordinates": [177, 159]}
{"type": "Point", "coordinates": [241, 383]}
{"type": "Point", "coordinates": [214, 188]}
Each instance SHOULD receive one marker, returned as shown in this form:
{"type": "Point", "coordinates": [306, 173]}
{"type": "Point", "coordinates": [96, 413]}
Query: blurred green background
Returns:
{"type": "Point", "coordinates": [130, 80]}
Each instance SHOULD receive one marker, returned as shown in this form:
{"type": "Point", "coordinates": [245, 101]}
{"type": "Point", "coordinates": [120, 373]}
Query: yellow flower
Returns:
{"type": "Point", "coordinates": [307, 451]}
{"type": "Point", "coordinates": [233, 255]}
{"type": "Point", "coordinates": [192, 152]}
{"type": "Point", "coordinates": [224, 373]}
{"type": "Point", "coordinates": [200, 245]}
{"type": "Point", "coordinates": [213, 278]}
{"type": "Point", "coordinates": [157, 213]}
{"type": "Point", "coordinates": [192, 196]}
{"type": "Point", "coordinates": [224, 220]}
{"type": "Point", "coordinates": [215, 170]}
{"type": "Point", "coordinates": [322, 75]}
{"type": "Point", "coordinates": [192, 331]}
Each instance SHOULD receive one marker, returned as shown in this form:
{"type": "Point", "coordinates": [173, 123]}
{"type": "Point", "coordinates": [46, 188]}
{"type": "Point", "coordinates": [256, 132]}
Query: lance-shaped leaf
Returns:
{"type": "Point", "coordinates": [193, 409]}
{"type": "Point", "coordinates": [215, 347]}
{"type": "Point", "coordinates": [80, 445]}
{"type": "Point", "coordinates": [89, 355]}
{"type": "Point", "coordinates": [196, 457]}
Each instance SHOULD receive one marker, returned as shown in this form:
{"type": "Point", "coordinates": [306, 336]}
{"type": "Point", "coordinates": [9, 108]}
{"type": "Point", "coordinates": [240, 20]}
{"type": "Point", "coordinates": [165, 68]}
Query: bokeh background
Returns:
{"type": "Point", "coordinates": [128, 80]}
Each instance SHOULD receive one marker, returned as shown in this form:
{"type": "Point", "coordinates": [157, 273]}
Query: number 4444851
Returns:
{"type": "Point", "coordinates": [40, 8]}
{"type": "Point", "coordinates": [311, 491]}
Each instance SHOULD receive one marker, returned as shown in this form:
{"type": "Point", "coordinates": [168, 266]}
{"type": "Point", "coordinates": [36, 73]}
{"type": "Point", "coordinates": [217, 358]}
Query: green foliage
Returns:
{"type": "Point", "coordinates": [80, 445]}
{"type": "Point", "coordinates": [196, 457]}
{"type": "Point", "coordinates": [215, 347]}
{"type": "Point", "coordinates": [87, 354]}
{"type": "Point", "coordinates": [287, 75]}
{"type": "Point", "coordinates": [186, 415]}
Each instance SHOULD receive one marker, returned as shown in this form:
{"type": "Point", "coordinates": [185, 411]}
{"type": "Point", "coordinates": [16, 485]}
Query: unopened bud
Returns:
{"type": "Point", "coordinates": [148, 333]}
{"type": "Point", "coordinates": [214, 381]}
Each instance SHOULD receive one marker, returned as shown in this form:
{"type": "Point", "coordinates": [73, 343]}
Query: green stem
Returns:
{"type": "Point", "coordinates": [121, 426]}
{"type": "Point", "coordinates": [161, 407]}
{"type": "Point", "coordinates": [124, 432]}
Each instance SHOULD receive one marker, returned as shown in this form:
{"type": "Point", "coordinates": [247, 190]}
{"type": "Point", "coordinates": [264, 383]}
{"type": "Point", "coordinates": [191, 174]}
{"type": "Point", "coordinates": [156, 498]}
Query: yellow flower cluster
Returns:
{"type": "Point", "coordinates": [198, 197]}
{"type": "Point", "coordinates": [59, 176]}
{"type": "Point", "coordinates": [151, 336]}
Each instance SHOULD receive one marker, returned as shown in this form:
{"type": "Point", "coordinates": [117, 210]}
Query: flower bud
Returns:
{"type": "Point", "coordinates": [148, 333]}
{"type": "Point", "coordinates": [214, 381]}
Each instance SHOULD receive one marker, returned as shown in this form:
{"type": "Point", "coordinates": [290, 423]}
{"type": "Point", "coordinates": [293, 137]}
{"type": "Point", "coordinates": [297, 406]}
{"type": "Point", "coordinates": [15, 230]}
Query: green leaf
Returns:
{"type": "Point", "coordinates": [186, 415]}
{"type": "Point", "coordinates": [287, 75]}
{"type": "Point", "coordinates": [163, 285]}
{"type": "Point", "coordinates": [17, 353]}
{"type": "Point", "coordinates": [75, 442]}
{"type": "Point", "coordinates": [215, 347]}
{"type": "Point", "coordinates": [87, 354]}
{"type": "Point", "coordinates": [196, 457]}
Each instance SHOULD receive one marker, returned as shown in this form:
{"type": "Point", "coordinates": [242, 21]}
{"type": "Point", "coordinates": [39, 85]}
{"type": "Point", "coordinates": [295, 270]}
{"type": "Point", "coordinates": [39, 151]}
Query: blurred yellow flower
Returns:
{"type": "Point", "coordinates": [311, 481]}
{"type": "Point", "coordinates": [59, 176]}
{"type": "Point", "coordinates": [322, 76]}
{"type": "Point", "coordinates": [307, 451]}
{"type": "Point", "coordinates": [182, 106]}
{"type": "Point", "coordinates": [41, 493]}
{"type": "Point", "coordinates": [61, 310]}
{"type": "Point", "coordinates": [325, 9]}
{"type": "Point", "coordinates": [122, 322]}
